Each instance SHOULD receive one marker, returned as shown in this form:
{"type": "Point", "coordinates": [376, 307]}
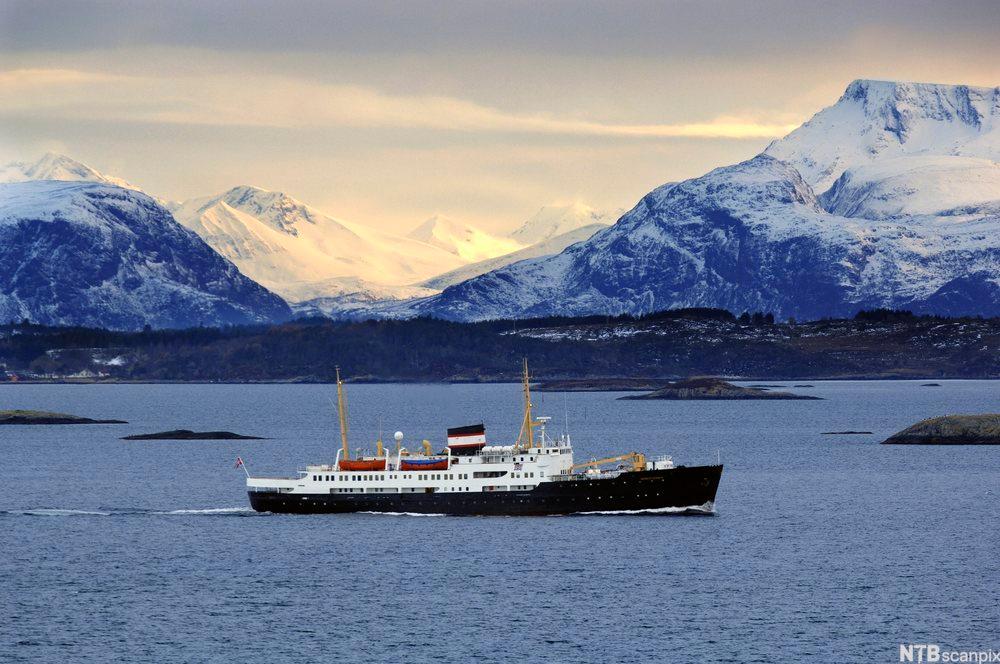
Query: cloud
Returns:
{"type": "Point", "coordinates": [20, 79]}
{"type": "Point", "coordinates": [283, 102]}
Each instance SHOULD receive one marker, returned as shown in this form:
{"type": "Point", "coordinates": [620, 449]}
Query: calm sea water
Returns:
{"type": "Point", "coordinates": [824, 548]}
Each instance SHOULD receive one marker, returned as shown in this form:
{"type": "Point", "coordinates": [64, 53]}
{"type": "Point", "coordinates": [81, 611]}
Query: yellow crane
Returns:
{"type": "Point", "coordinates": [638, 461]}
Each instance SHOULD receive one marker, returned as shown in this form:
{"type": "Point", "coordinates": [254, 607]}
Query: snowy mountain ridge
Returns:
{"type": "Point", "coordinates": [553, 220]}
{"type": "Point", "coordinates": [308, 256]}
{"type": "Point", "coordinates": [876, 120]}
{"type": "Point", "coordinates": [467, 242]}
{"type": "Point", "coordinates": [83, 253]}
{"type": "Point", "coordinates": [547, 247]}
{"type": "Point", "coordinates": [52, 166]}
{"type": "Point", "coordinates": [301, 253]}
{"type": "Point", "coordinates": [888, 198]}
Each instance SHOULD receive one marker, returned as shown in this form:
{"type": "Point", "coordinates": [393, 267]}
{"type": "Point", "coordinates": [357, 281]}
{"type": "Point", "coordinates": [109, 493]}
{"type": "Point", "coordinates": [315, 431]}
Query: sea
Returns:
{"type": "Point", "coordinates": [822, 548]}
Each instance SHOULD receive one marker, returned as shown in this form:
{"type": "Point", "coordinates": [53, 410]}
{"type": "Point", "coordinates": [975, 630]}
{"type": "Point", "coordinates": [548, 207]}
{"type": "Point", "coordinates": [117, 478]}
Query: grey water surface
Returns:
{"type": "Point", "coordinates": [823, 548]}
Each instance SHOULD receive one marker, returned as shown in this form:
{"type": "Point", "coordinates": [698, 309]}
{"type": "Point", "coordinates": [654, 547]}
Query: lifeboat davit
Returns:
{"type": "Point", "coordinates": [362, 464]}
{"type": "Point", "coordinates": [424, 464]}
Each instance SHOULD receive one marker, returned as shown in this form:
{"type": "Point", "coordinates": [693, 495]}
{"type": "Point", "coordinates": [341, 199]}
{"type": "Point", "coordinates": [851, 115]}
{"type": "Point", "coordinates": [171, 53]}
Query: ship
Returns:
{"type": "Point", "coordinates": [535, 475]}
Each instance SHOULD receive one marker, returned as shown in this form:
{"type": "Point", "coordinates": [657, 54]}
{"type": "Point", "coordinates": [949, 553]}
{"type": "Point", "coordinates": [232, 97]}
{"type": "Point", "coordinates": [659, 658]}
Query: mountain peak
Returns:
{"type": "Point", "coordinates": [884, 119]}
{"type": "Point", "coordinates": [900, 104]}
{"type": "Point", "coordinates": [89, 253]}
{"type": "Point", "coordinates": [55, 166]}
{"type": "Point", "coordinates": [554, 220]}
{"type": "Point", "coordinates": [861, 88]}
{"type": "Point", "coordinates": [466, 241]}
{"type": "Point", "coordinates": [277, 209]}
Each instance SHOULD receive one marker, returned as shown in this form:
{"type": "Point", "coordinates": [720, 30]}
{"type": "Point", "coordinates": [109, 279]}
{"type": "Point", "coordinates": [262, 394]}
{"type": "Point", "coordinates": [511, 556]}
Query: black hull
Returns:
{"type": "Point", "coordinates": [680, 490]}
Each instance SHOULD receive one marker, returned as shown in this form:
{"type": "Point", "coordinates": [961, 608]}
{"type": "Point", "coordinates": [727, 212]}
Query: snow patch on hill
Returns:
{"type": "Point", "coordinates": [555, 220]}
{"type": "Point", "coordinates": [467, 242]}
{"type": "Point", "coordinates": [547, 247]}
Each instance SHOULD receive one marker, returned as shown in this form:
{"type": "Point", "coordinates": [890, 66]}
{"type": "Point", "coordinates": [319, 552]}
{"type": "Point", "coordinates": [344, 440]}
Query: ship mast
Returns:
{"type": "Point", "coordinates": [342, 414]}
{"type": "Point", "coordinates": [528, 424]}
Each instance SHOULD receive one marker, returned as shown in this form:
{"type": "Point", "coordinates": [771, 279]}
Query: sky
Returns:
{"type": "Point", "coordinates": [386, 113]}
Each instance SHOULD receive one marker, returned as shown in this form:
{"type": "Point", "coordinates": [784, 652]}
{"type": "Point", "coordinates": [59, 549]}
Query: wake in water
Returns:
{"type": "Point", "coordinates": [107, 511]}
{"type": "Point", "coordinates": [708, 509]}
{"type": "Point", "coordinates": [401, 514]}
{"type": "Point", "coordinates": [55, 512]}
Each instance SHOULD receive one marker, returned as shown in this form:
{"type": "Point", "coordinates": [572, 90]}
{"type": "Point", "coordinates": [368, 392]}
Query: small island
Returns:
{"type": "Point", "coordinates": [46, 417]}
{"type": "Point", "coordinates": [951, 430]}
{"type": "Point", "coordinates": [846, 433]}
{"type": "Point", "coordinates": [715, 388]}
{"type": "Point", "coordinates": [187, 434]}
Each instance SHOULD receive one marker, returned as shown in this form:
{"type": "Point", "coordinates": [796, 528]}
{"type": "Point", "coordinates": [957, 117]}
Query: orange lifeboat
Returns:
{"type": "Point", "coordinates": [362, 464]}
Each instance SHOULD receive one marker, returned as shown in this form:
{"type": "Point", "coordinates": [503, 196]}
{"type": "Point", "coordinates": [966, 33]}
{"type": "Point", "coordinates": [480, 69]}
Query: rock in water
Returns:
{"type": "Point", "coordinates": [714, 388]}
{"type": "Point", "coordinates": [951, 430]}
{"type": "Point", "coordinates": [187, 434]}
{"type": "Point", "coordinates": [83, 253]}
{"type": "Point", "coordinates": [45, 417]}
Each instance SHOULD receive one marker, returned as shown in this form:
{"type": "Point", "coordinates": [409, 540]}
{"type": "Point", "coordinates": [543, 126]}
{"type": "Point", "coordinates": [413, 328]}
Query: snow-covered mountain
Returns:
{"type": "Point", "coordinates": [303, 254]}
{"type": "Point", "coordinates": [547, 247]}
{"type": "Point", "coordinates": [52, 166]}
{"type": "Point", "coordinates": [554, 220]}
{"type": "Point", "coordinates": [83, 253]}
{"type": "Point", "coordinates": [467, 242]}
{"type": "Point", "coordinates": [877, 120]}
{"type": "Point", "coordinates": [348, 298]}
{"type": "Point", "coordinates": [887, 198]}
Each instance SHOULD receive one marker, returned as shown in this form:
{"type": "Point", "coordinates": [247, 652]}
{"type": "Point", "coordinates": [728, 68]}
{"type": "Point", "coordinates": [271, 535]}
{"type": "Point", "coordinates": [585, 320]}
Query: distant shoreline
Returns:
{"type": "Point", "coordinates": [670, 345]}
{"type": "Point", "coordinates": [391, 381]}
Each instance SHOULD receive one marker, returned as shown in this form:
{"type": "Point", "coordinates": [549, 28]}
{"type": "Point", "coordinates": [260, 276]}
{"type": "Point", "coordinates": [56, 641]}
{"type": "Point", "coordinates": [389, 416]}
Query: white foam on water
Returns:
{"type": "Point", "coordinates": [58, 512]}
{"type": "Point", "coordinates": [707, 508]}
{"type": "Point", "coordinates": [402, 514]}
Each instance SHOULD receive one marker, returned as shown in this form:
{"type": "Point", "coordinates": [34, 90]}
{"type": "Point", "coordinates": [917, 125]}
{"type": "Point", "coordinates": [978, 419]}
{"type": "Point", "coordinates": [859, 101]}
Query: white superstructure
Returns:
{"type": "Point", "coordinates": [494, 468]}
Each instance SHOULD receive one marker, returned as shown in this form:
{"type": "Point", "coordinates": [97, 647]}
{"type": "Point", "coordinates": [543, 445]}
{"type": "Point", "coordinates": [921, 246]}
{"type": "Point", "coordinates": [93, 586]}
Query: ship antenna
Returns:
{"type": "Point", "coordinates": [342, 414]}
{"type": "Point", "coordinates": [566, 416]}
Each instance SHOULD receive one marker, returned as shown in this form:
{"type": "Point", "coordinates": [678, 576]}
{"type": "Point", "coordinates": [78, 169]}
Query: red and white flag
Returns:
{"type": "Point", "coordinates": [239, 462]}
